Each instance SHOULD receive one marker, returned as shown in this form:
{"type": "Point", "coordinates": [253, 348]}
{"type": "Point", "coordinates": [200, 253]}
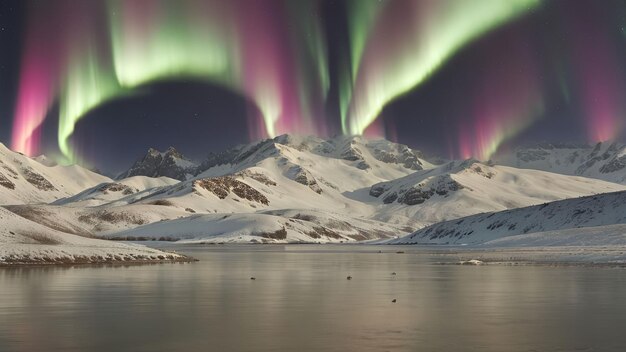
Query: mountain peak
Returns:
{"type": "Point", "coordinates": [153, 152]}
{"type": "Point", "coordinates": [171, 151]}
{"type": "Point", "coordinates": [155, 163]}
{"type": "Point", "coordinates": [356, 151]}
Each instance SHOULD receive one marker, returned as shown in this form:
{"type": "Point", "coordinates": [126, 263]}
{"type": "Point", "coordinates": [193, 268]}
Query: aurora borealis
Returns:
{"type": "Point", "coordinates": [326, 67]}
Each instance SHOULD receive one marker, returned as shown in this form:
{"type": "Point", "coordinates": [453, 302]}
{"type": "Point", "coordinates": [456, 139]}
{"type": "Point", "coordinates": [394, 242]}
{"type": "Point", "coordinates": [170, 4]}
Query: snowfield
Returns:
{"type": "Point", "coordinates": [25, 242]}
{"type": "Point", "coordinates": [286, 226]}
{"type": "Point", "coordinates": [607, 235]}
{"type": "Point", "coordinates": [605, 160]}
{"type": "Point", "coordinates": [24, 180]}
{"type": "Point", "coordinates": [566, 219]}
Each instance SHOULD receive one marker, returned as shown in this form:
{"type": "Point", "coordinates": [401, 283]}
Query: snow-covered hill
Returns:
{"type": "Point", "coordinates": [123, 191]}
{"type": "Point", "coordinates": [25, 242]}
{"type": "Point", "coordinates": [464, 188]}
{"type": "Point", "coordinates": [24, 180]}
{"type": "Point", "coordinates": [605, 161]}
{"type": "Point", "coordinates": [264, 227]}
{"type": "Point", "coordinates": [560, 218]}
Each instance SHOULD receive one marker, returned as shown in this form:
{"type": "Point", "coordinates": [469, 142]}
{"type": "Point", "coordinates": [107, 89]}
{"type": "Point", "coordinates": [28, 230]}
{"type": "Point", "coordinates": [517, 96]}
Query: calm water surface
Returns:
{"type": "Point", "coordinates": [301, 301]}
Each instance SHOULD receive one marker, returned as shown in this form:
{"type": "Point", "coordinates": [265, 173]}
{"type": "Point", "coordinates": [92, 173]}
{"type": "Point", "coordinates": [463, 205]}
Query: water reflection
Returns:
{"type": "Point", "coordinates": [302, 301]}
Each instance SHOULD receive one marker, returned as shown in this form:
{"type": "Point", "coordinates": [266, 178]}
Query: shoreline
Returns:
{"type": "Point", "coordinates": [586, 256]}
{"type": "Point", "coordinates": [104, 263]}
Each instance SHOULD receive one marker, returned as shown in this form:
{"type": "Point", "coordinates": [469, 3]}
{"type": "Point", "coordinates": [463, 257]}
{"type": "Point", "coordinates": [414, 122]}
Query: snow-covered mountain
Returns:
{"type": "Point", "coordinates": [356, 150]}
{"type": "Point", "coordinates": [24, 180]}
{"type": "Point", "coordinates": [605, 160]}
{"type": "Point", "coordinates": [462, 188]}
{"type": "Point", "coordinates": [307, 189]}
{"type": "Point", "coordinates": [299, 189]}
{"type": "Point", "coordinates": [535, 222]}
{"type": "Point", "coordinates": [279, 178]}
{"type": "Point", "coordinates": [170, 163]}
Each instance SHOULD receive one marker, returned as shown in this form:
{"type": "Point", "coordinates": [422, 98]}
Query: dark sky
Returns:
{"type": "Point", "coordinates": [568, 55]}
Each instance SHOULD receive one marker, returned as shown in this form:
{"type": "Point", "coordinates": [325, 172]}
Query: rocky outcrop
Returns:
{"type": "Point", "coordinates": [117, 187]}
{"type": "Point", "coordinates": [223, 186]}
{"type": "Point", "coordinates": [304, 177]}
{"type": "Point", "coordinates": [37, 180]}
{"type": "Point", "coordinates": [171, 164]}
{"type": "Point", "coordinates": [400, 154]}
{"type": "Point", "coordinates": [5, 182]}
{"type": "Point", "coordinates": [440, 185]}
{"type": "Point", "coordinates": [257, 176]}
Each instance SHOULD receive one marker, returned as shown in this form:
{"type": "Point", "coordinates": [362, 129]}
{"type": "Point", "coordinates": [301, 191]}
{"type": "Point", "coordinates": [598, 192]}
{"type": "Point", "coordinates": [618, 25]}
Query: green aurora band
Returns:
{"type": "Point", "coordinates": [205, 40]}
{"type": "Point", "coordinates": [272, 52]}
{"type": "Point", "coordinates": [392, 61]}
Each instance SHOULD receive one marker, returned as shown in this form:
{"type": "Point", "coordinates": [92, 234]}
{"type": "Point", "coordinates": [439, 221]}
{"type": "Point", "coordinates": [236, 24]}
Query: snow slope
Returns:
{"type": "Point", "coordinates": [123, 191]}
{"type": "Point", "coordinates": [25, 242]}
{"type": "Point", "coordinates": [24, 180]}
{"type": "Point", "coordinates": [606, 235]}
{"type": "Point", "coordinates": [460, 189]}
{"type": "Point", "coordinates": [564, 218]}
{"type": "Point", "coordinates": [274, 226]}
{"type": "Point", "coordinates": [605, 160]}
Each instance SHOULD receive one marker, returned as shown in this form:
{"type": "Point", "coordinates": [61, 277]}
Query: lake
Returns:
{"type": "Point", "coordinates": [302, 301]}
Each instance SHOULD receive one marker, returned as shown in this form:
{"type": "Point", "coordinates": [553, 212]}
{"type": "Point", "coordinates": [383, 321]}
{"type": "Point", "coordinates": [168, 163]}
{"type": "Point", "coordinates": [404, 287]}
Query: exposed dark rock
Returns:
{"type": "Point", "coordinates": [304, 177]}
{"type": "Point", "coordinates": [162, 202]}
{"type": "Point", "coordinates": [362, 165]}
{"type": "Point", "coordinates": [390, 198]}
{"type": "Point", "coordinates": [257, 176]}
{"type": "Point", "coordinates": [112, 217]}
{"type": "Point", "coordinates": [5, 182]}
{"type": "Point", "coordinates": [117, 187]}
{"type": "Point", "coordinates": [415, 196]}
{"type": "Point", "coordinates": [352, 154]}
{"type": "Point", "coordinates": [276, 235]}
{"type": "Point", "coordinates": [378, 189]}
{"type": "Point", "coordinates": [37, 180]}
{"type": "Point", "coordinates": [319, 231]}
{"type": "Point", "coordinates": [614, 165]}
{"type": "Point", "coordinates": [400, 154]}
{"type": "Point", "coordinates": [223, 186]}
{"type": "Point", "coordinates": [171, 164]}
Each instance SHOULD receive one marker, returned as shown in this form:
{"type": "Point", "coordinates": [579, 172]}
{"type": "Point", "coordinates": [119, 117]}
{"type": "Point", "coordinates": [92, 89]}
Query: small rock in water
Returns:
{"type": "Point", "coordinates": [394, 273]}
{"type": "Point", "coordinates": [394, 301]}
{"type": "Point", "coordinates": [400, 252]}
{"type": "Point", "coordinates": [253, 278]}
{"type": "Point", "coordinates": [349, 278]}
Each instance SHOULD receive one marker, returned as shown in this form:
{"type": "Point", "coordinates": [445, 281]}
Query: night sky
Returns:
{"type": "Point", "coordinates": [98, 82]}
